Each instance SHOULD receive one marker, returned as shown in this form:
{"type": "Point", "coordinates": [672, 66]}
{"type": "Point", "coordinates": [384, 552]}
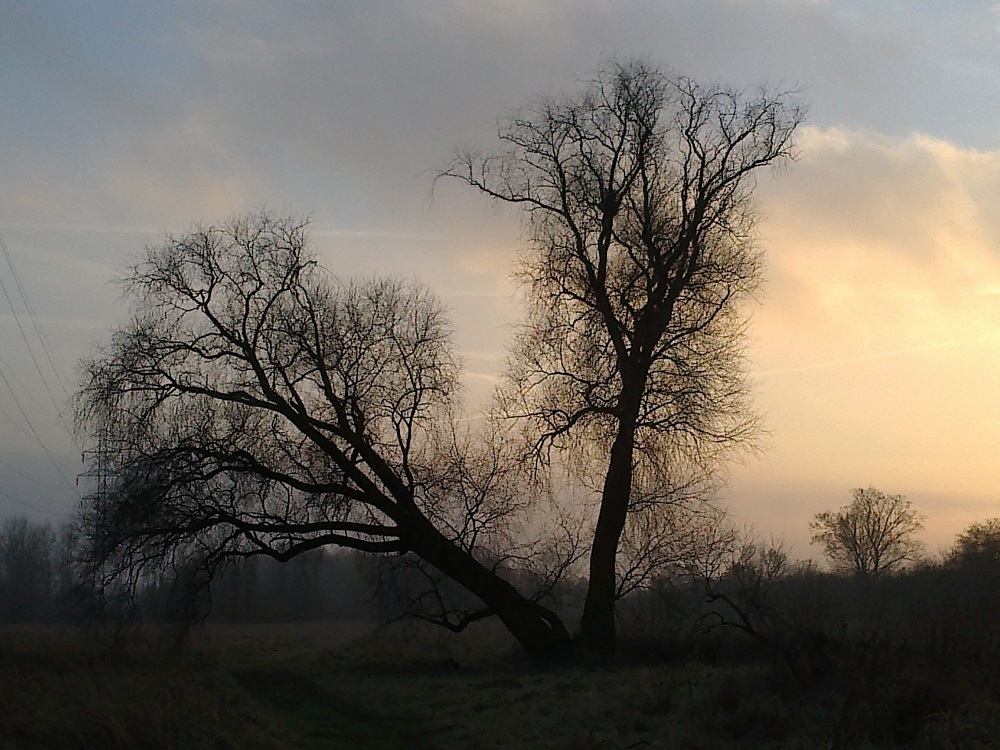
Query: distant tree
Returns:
{"type": "Point", "coordinates": [637, 191]}
{"type": "Point", "coordinates": [27, 550]}
{"type": "Point", "coordinates": [978, 544]}
{"type": "Point", "coordinates": [873, 534]}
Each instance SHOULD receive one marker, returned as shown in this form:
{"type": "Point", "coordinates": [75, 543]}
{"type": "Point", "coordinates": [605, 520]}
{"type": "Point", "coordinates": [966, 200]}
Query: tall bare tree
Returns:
{"type": "Point", "coordinates": [255, 405]}
{"type": "Point", "coordinates": [637, 190]}
{"type": "Point", "coordinates": [873, 534]}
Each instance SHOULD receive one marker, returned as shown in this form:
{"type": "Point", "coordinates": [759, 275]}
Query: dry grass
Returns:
{"type": "Point", "coordinates": [408, 686]}
{"type": "Point", "coordinates": [57, 691]}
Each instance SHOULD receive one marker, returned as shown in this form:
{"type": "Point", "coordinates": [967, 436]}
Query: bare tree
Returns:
{"type": "Point", "coordinates": [872, 534]}
{"type": "Point", "coordinates": [638, 198]}
{"type": "Point", "coordinates": [255, 405]}
{"type": "Point", "coordinates": [737, 578]}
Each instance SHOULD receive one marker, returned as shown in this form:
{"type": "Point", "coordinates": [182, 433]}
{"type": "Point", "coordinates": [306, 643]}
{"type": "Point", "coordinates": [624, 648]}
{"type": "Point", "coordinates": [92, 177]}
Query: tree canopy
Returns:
{"type": "Point", "coordinates": [978, 544]}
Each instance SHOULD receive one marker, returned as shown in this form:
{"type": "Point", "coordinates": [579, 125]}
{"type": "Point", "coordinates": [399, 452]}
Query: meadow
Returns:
{"type": "Point", "coordinates": [410, 685]}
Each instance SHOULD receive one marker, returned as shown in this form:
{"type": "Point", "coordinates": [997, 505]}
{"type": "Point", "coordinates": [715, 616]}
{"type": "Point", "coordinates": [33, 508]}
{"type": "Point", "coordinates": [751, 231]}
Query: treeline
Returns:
{"type": "Point", "coordinates": [905, 658]}
{"type": "Point", "coordinates": [315, 586]}
{"type": "Point", "coordinates": [751, 587]}
{"type": "Point", "coordinates": [39, 584]}
{"type": "Point", "coordinates": [795, 610]}
{"type": "Point", "coordinates": [881, 595]}
{"type": "Point", "coordinates": [35, 573]}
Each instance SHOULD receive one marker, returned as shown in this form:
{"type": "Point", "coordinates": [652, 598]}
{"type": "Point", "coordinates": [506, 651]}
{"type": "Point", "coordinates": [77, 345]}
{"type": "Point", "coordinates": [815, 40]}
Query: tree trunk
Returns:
{"type": "Point", "coordinates": [537, 629]}
{"type": "Point", "coordinates": [597, 626]}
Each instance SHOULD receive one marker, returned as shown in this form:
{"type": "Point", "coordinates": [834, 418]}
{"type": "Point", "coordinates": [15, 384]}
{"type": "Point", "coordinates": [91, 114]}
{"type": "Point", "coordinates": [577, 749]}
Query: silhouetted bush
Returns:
{"type": "Point", "coordinates": [902, 660]}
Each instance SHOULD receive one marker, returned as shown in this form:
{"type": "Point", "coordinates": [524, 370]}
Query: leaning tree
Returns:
{"type": "Point", "coordinates": [255, 405]}
{"type": "Point", "coordinates": [637, 192]}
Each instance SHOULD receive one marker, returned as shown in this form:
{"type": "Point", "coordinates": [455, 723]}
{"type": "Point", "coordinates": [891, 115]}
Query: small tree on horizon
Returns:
{"type": "Point", "coordinates": [873, 534]}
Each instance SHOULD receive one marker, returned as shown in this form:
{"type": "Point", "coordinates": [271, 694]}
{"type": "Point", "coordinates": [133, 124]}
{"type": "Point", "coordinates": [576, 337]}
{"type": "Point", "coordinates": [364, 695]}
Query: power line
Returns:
{"type": "Point", "coordinates": [33, 318]}
{"type": "Point", "coordinates": [36, 436]}
{"type": "Point", "coordinates": [14, 470]}
{"type": "Point", "coordinates": [8, 377]}
{"type": "Point", "coordinates": [38, 333]}
{"type": "Point", "coordinates": [17, 425]}
{"type": "Point", "coordinates": [24, 389]}
{"type": "Point", "coordinates": [44, 511]}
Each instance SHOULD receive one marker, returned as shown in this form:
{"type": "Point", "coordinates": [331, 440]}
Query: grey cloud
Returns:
{"type": "Point", "coordinates": [347, 108]}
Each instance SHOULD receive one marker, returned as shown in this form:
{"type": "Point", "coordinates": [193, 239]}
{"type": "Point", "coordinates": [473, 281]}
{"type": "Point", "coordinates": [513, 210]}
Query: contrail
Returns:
{"type": "Point", "coordinates": [376, 234]}
{"type": "Point", "coordinates": [86, 228]}
{"type": "Point", "coordinates": [852, 360]}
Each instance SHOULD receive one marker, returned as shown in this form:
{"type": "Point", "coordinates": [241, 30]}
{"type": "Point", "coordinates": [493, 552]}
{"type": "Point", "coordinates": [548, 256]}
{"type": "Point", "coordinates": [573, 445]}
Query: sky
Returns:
{"type": "Point", "coordinates": [875, 346]}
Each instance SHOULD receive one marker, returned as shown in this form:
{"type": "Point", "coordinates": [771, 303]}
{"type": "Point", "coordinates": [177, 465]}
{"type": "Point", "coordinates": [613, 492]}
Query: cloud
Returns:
{"type": "Point", "coordinates": [885, 243]}
{"type": "Point", "coordinates": [346, 109]}
{"type": "Point", "coordinates": [877, 348]}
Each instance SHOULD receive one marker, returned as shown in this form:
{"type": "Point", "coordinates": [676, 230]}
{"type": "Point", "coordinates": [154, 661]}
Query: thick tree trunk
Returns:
{"type": "Point", "coordinates": [537, 629]}
{"type": "Point", "coordinates": [597, 626]}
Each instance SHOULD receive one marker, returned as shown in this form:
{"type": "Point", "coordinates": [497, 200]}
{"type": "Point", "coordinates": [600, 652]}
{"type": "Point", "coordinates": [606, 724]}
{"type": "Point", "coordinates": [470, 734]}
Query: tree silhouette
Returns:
{"type": "Point", "coordinates": [873, 534]}
{"type": "Point", "coordinates": [637, 192]}
{"type": "Point", "coordinates": [27, 571]}
{"type": "Point", "coordinates": [978, 544]}
{"type": "Point", "coordinates": [255, 405]}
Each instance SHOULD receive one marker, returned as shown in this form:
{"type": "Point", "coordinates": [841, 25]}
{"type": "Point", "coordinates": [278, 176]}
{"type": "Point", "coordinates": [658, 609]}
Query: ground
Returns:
{"type": "Point", "coordinates": [336, 685]}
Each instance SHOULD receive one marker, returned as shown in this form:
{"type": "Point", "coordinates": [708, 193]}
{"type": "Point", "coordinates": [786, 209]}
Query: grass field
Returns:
{"type": "Point", "coordinates": [408, 686]}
